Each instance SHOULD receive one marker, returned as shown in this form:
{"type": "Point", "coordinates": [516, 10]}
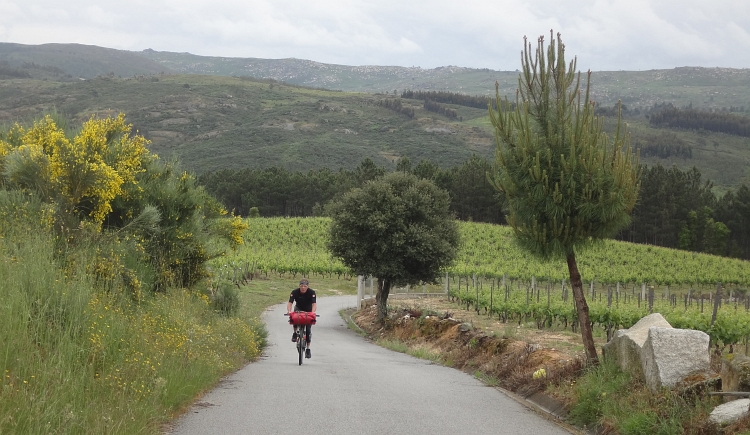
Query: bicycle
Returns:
{"type": "Point", "coordinates": [300, 320]}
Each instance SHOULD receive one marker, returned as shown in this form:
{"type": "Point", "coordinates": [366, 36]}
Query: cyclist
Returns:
{"type": "Point", "coordinates": [304, 298]}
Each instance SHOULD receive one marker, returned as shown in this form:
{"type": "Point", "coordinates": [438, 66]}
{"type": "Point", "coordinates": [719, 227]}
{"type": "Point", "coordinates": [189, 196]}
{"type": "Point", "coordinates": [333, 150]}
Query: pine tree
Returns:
{"type": "Point", "coordinates": [565, 182]}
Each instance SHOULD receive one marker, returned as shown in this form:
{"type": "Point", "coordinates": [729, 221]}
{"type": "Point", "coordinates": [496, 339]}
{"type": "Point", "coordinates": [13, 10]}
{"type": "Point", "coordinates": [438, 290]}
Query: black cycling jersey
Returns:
{"type": "Point", "coordinates": [303, 301]}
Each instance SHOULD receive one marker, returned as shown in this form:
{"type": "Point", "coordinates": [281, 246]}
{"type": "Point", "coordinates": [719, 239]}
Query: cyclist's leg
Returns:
{"type": "Point", "coordinates": [308, 332]}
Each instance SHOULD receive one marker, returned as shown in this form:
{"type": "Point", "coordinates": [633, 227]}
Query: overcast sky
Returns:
{"type": "Point", "coordinates": [603, 34]}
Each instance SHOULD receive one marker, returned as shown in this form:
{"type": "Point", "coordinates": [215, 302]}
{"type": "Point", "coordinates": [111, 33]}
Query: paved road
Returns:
{"type": "Point", "coordinates": [351, 386]}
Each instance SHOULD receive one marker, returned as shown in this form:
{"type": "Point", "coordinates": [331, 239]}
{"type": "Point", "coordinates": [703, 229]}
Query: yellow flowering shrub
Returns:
{"type": "Point", "coordinates": [85, 174]}
{"type": "Point", "coordinates": [5, 149]}
{"type": "Point", "coordinates": [96, 164]}
{"type": "Point", "coordinates": [238, 226]}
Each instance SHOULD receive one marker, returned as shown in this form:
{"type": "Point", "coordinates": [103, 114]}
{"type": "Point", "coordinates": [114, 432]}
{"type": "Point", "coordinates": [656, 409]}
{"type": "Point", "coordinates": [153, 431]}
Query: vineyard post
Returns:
{"type": "Point", "coordinates": [717, 302]}
{"type": "Point", "coordinates": [643, 291]}
{"type": "Point", "coordinates": [593, 298]}
{"type": "Point", "coordinates": [527, 295]}
{"type": "Point", "coordinates": [549, 295]}
{"type": "Point", "coordinates": [651, 299]}
{"type": "Point", "coordinates": [609, 296]}
{"type": "Point", "coordinates": [476, 287]}
{"type": "Point", "coordinates": [466, 292]}
{"type": "Point", "coordinates": [617, 295]}
{"type": "Point", "coordinates": [492, 290]}
{"type": "Point", "coordinates": [506, 289]}
{"type": "Point", "coordinates": [562, 290]}
{"type": "Point", "coordinates": [360, 290]}
{"type": "Point", "coordinates": [447, 284]}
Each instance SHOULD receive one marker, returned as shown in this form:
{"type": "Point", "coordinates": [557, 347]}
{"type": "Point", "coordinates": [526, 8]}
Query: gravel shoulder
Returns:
{"type": "Point", "coordinates": [538, 365]}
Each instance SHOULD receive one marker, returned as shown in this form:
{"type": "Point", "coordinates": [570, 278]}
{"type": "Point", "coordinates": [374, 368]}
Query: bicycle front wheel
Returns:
{"type": "Point", "coordinates": [301, 346]}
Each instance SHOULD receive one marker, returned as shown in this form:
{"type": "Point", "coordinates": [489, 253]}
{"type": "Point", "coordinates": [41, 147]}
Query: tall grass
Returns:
{"type": "Point", "coordinates": [77, 356]}
{"type": "Point", "coordinates": [608, 399]}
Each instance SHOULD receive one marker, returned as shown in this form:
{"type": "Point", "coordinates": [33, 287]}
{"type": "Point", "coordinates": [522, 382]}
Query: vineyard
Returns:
{"type": "Point", "coordinates": [623, 281]}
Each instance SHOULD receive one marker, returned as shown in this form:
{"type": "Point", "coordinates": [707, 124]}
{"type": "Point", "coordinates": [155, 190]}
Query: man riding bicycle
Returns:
{"type": "Point", "coordinates": [304, 298]}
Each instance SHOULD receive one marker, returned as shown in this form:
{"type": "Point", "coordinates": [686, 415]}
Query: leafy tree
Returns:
{"type": "Point", "coordinates": [397, 228]}
{"type": "Point", "coordinates": [368, 170]}
{"type": "Point", "coordinates": [703, 234]}
{"type": "Point", "coordinates": [473, 198]}
{"type": "Point", "coordinates": [426, 169]}
{"type": "Point", "coordinates": [665, 198]}
{"type": "Point", "coordinates": [404, 165]}
{"type": "Point", "coordinates": [566, 184]}
{"type": "Point", "coordinates": [734, 210]}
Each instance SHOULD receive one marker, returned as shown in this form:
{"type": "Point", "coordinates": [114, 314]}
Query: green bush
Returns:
{"type": "Point", "coordinates": [592, 391]}
{"type": "Point", "coordinates": [224, 298]}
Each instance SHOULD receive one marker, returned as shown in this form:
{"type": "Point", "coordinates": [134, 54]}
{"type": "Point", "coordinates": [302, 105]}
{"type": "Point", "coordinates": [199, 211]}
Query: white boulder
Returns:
{"type": "Point", "coordinates": [663, 356]}
{"type": "Point", "coordinates": [626, 345]}
{"type": "Point", "coordinates": [670, 354]}
{"type": "Point", "coordinates": [730, 412]}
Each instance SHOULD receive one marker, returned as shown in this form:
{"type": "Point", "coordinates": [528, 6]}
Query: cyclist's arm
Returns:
{"type": "Point", "coordinates": [315, 307]}
{"type": "Point", "coordinates": [288, 307]}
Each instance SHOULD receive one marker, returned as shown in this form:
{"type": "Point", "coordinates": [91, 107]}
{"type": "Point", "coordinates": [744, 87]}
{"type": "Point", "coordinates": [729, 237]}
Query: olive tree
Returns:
{"type": "Point", "coordinates": [567, 184]}
{"type": "Point", "coordinates": [397, 228]}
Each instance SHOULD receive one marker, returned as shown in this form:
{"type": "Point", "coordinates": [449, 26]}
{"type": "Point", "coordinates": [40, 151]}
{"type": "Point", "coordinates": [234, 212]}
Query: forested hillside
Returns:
{"type": "Point", "coordinates": [263, 130]}
{"type": "Point", "coordinates": [228, 120]}
{"type": "Point", "coordinates": [675, 209]}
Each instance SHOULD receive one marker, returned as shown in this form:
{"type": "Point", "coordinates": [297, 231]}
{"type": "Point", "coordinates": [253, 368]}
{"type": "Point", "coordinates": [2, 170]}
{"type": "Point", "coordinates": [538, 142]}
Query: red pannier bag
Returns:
{"type": "Point", "coordinates": [302, 318]}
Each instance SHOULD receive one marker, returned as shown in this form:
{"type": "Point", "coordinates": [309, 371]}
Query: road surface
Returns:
{"type": "Point", "coordinates": [351, 386]}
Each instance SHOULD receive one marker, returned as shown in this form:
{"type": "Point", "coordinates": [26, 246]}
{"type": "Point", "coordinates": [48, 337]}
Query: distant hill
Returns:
{"type": "Point", "coordinates": [215, 122]}
{"type": "Point", "coordinates": [711, 88]}
{"type": "Point", "coordinates": [73, 61]}
{"type": "Point", "coordinates": [228, 112]}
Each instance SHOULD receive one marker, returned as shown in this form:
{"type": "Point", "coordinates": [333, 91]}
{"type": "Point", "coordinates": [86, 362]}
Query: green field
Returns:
{"type": "Point", "coordinates": [493, 275]}
{"type": "Point", "coordinates": [297, 246]}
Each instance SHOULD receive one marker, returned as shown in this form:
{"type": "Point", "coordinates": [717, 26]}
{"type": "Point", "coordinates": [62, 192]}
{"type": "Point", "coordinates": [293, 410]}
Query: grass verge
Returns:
{"type": "Point", "coordinates": [600, 400]}
{"type": "Point", "coordinates": [78, 359]}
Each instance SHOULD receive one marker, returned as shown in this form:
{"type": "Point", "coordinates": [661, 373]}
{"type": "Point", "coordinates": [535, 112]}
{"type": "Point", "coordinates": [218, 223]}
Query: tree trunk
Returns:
{"type": "Point", "coordinates": [583, 311]}
{"type": "Point", "coordinates": [381, 299]}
